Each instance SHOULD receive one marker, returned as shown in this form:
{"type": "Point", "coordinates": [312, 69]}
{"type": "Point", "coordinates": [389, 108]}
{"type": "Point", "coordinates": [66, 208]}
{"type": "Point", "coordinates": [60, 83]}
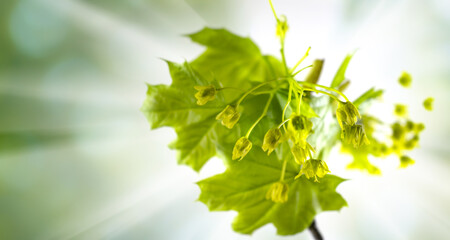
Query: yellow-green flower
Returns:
{"type": "Point", "coordinates": [405, 136]}
{"type": "Point", "coordinates": [301, 154]}
{"type": "Point", "coordinates": [314, 168]}
{"type": "Point", "coordinates": [411, 143]}
{"type": "Point", "coordinates": [405, 79]}
{"type": "Point", "coordinates": [299, 128]}
{"type": "Point", "coordinates": [401, 110]}
{"type": "Point", "coordinates": [428, 103]}
{"type": "Point", "coordinates": [347, 114]}
{"type": "Point", "coordinates": [409, 125]}
{"type": "Point", "coordinates": [398, 133]}
{"type": "Point", "coordinates": [405, 161]}
{"type": "Point", "coordinates": [229, 116]}
{"type": "Point", "coordinates": [419, 127]}
{"type": "Point", "coordinates": [355, 135]}
{"type": "Point", "coordinates": [205, 94]}
{"type": "Point", "coordinates": [379, 149]}
{"type": "Point", "coordinates": [271, 140]}
{"type": "Point", "coordinates": [241, 148]}
{"type": "Point", "coordinates": [278, 192]}
{"type": "Point", "coordinates": [282, 27]}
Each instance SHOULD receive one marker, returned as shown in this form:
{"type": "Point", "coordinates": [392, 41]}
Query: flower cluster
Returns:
{"type": "Point", "coordinates": [352, 131]}
{"type": "Point", "coordinates": [405, 135]}
{"type": "Point", "coordinates": [356, 131]}
{"type": "Point", "coordinates": [294, 132]}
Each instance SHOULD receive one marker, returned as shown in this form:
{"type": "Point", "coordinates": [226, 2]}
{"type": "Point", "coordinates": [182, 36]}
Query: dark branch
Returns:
{"type": "Point", "coordinates": [315, 231]}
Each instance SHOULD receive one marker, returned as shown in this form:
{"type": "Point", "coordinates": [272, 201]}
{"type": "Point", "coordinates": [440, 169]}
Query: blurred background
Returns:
{"type": "Point", "coordinates": [77, 158]}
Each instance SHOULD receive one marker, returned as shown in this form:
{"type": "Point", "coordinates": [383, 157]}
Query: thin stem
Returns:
{"type": "Point", "coordinates": [273, 10]}
{"type": "Point", "coordinates": [301, 60]}
{"type": "Point", "coordinates": [315, 231]}
{"type": "Point", "coordinates": [260, 117]}
{"type": "Point", "coordinates": [324, 87]}
{"type": "Point", "coordinates": [287, 103]}
{"type": "Point", "coordinates": [283, 170]}
{"type": "Point", "coordinates": [293, 75]}
{"type": "Point", "coordinates": [253, 89]}
{"type": "Point", "coordinates": [229, 88]}
{"type": "Point", "coordinates": [323, 92]}
{"type": "Point", "coordinates": [283, 57]}
{"type": "Point", "coordinates": [300, 102]}
{"type": "Point", "coordinates": [263, 92]}
{"type": "Point", "coordinates": [285, 121]}
{"type": "Point", "coordinates": [296, 97]}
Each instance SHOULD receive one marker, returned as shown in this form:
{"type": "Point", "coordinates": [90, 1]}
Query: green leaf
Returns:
{"type": "Point", "coordinates": [324, 123]}
{"type": "Point", "coordinates": [367, 96]}
{"type": "Point", "coordinates": [340, 75]}
{"type": "Point", "coordinates": [195, 125]}
{"type": "Point", "coordinates": [242, 187]}
{"type": "Point", "coordinates": [195, 143]}
{"type": "Point", "coordinates": [233, 60]}
{"type": "Point", "coordinates": [176, 106]}
{"type": "Point", "coordinates": [223, 40]}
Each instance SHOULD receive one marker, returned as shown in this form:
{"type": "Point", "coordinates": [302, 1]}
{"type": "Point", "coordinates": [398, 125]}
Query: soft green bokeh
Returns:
{"type": "Point", "coordinates": [77, 159]}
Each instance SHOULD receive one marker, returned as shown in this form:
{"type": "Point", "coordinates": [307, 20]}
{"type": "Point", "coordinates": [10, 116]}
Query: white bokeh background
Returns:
{"type": "Point", "coordinates": [80, 78]}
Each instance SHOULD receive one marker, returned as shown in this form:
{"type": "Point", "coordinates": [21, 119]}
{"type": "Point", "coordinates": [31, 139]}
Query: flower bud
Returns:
{"type": "Point", "coordinates": [205, 94]}
{"type": "Point", "coordinates": [299, 128]}
{"type": "Point", "coordinates": [411, 143]}
{"type": "Point", "coordinates": [271, 140]}
{"type": "Point", "coordinates": [398, 133]}
{"type": "Point", "coordinates": [229, 116]}
{"type": "Point", "coordinates": [409, 126]}
{"type": "Point", "coordinates": [405, 161]}
{"type": "Point", "coordinates": [355, 135]}
{"type": "Point", "coordinates": [300, 154]}
{"type": "Point", "coordinates": [241, 148]}
{"type": "Point", "coordinates": [405, 79]}
{"type": "Point", "coordinates": [401, 110]}
{"type": "Point", "coordinates": [314, 168]}
{"type": "Point", "coordinates": [428, 103]}
{"type": "Point", "coordinates": [419, 127]}
{"type": "Point", "coordinates": [282, 27]}
{"type": "Point", "coordinates": [278, 192]}
{"type": "Point", "coordinates": [347, 114]}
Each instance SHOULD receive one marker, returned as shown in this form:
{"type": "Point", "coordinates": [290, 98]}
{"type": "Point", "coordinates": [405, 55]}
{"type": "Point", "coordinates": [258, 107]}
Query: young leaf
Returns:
{"type": "Point", "coordinates": [368, 95]}
{"type": "Point", "coordinates": [314, 73]}
{"type": "Point", "coordinates": [340, 75]}
{"type": "Point", "coordinates": [231, 59]}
